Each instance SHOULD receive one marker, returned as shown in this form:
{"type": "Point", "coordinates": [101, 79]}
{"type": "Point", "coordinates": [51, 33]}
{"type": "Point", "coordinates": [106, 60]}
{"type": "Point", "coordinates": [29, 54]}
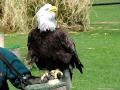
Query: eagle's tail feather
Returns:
{"type": "Point", "coordinates": [79, 67]}
{"type": "Point", "coordinates": [77, 62]}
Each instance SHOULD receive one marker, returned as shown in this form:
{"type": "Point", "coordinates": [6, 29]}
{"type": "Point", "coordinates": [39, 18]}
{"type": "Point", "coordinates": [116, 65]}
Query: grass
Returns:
{"type": "Point", "coordinates": [105, 1]}
{"type": "Point", "coordinates": [108, 13]}
{"type": "Point", "coordinates": [99, 52]}
{"type": "Point", "coordinates": [105, 17]}
{"type": "Point", "coordinates": [17, 40]}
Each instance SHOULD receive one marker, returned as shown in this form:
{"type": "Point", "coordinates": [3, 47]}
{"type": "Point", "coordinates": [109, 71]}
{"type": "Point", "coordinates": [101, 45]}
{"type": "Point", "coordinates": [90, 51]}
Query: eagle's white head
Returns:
{"type": "Point", "coordinates": [46, 18]}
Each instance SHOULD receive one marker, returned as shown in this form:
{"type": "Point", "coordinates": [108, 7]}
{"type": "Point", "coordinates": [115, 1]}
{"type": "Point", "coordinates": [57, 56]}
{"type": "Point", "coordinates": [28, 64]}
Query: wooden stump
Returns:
{"type": "Point", "coordinates": [46, 86]}
{"type": "Point", "coordinates": [1, 39]}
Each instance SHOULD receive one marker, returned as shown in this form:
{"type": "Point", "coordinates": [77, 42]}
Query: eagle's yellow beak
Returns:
{"type": "Point", "coordinates": [54, 9]}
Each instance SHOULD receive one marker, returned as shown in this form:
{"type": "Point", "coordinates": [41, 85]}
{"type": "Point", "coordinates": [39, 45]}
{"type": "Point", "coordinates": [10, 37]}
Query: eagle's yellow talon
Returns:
{"type": "Point", "coordinates": [57, 74]}
{"type": "Point", "coordinates": [44, 75]}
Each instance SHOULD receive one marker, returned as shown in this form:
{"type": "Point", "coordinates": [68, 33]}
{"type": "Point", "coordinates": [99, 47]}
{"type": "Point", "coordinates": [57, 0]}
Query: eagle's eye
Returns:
{"type": "Point", "coordinates": [46, 9]}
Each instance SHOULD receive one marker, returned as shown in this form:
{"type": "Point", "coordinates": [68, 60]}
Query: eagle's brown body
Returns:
{"type": "Point", "coordinates": [52, 50]}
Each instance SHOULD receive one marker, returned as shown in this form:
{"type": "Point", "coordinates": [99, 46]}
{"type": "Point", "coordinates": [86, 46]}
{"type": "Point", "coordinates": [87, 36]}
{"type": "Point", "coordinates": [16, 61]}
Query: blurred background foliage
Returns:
{"type": "Point", "coordinates": [19, 15]}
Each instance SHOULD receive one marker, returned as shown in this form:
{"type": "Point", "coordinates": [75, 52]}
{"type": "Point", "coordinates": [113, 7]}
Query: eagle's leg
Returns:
{"type": "Point", "coordinates": [51, 75]}
{"type": "Point", "coordinates": [56, 75]}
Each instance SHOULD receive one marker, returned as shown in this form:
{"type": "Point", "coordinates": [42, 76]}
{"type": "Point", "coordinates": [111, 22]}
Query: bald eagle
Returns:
{"type": "Point", "coordinates": [50, 47]}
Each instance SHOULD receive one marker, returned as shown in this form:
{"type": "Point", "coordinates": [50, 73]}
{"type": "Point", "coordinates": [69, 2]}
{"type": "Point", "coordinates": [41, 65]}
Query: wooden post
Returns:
{"type": "Point", "coordinates": [46, 86]}
{"type": "Point", "coordinates": [1, 39]}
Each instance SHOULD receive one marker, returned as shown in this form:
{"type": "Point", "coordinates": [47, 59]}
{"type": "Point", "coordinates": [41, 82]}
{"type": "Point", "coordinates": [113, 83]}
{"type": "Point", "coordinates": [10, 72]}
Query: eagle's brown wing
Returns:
{"type": "Point", "coordinates": [69, 46]}
{"type": "Point", "coordinates": [32, 46]}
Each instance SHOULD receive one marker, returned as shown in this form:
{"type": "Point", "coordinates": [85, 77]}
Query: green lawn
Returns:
{"type": "Point", "coordinates": [110, 13]}
{"type": "Point", "coordinates": [99, 52]}
{"type": "Point", "coordinates": [105, 1]}
{"type": "Point", "coordinates": [105, 17]}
